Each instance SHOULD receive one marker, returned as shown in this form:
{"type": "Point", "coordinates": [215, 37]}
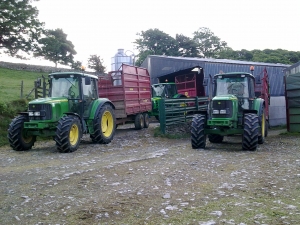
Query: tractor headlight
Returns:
{"type": "Point", "coordinates": [223, 111]}
{"type": "Point", "coordinates": [215, 111]}
{"type": "Point", "coordinates": [34, 113]}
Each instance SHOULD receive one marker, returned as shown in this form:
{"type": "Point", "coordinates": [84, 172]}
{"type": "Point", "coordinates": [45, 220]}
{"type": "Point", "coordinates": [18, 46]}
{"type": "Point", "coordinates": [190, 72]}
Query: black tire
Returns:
{"type": "Point", "coordinates": [262, 130]}
{"type": "Point", "coordinates": [198, 137]}
{"type": "Point", "coordinates": [146, 120]}
{"type": "Point", "coordinates": [139, 121]}
{"type": "Point", "coordinates": [104, 125]}
{"type": "Point", "coordinates": [215, 138]}
{"type": "Point", "coordinates": [267, 128]}
{"type": "Point", "coordinates": [68, 134]}
{"type": "Point", "coordinates": [251, 130]}
{"type": "Point", "coordinates": [17, 137]}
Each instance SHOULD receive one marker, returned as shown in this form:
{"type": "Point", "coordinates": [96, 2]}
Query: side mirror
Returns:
{"type": "Point", "coordinates": [87, 81]}
{"type": "Point", "coordinates": [257, 80]}
{"type": "Point", "coordinates": [205, 82]}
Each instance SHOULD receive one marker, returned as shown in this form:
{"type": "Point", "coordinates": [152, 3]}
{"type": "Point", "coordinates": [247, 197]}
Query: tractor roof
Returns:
{"type": "Point", "coordinates": [234, 74]}
{"type": "Point", "coordinates": [73, 73]}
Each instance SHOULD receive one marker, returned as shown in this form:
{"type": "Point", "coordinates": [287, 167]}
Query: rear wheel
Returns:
{"type": "Point", "coordinates": [17, 135]}
{"type": "Point", "coordinates": [68, 134]}
{"type": "Point", "coordinates": [262, 133]}
{"type": "Point", "coordinates": [146, 120]}
{"type": "Point", "coordinates": [104, 125]}
{"type": "Point", "coordinates": [215, 138]}
{"type": "Point", "coordinates": [198, 137]}
{"type": "Point", "coordinates": [251, 129]}
{"type": "Point", "coordinates": [139, 121]}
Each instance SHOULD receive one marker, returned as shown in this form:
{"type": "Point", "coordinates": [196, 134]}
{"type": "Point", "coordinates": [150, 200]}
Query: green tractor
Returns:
{"type": "Point", "coordinates": [233, 109]}
{"type": "Point", "coordinates": [72, 109]}
{"type": "Point", "coordinates": [160, 91]}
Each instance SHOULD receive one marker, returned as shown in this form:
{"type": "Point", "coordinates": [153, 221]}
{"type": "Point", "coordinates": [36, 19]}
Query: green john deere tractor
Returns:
{"type": "Point", "coordinates": [233, 109]}
{"type": "Point", "coordinates": [160, 91]}
{"type": "Point", "coordinates": [72, 109]}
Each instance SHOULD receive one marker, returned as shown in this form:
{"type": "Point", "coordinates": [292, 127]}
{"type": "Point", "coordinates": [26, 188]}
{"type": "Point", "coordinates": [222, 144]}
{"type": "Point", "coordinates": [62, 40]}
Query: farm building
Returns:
{"type": "Point", "coordinates": [292, 96]}
{"type": "Point", "coordinates": [162, 68]}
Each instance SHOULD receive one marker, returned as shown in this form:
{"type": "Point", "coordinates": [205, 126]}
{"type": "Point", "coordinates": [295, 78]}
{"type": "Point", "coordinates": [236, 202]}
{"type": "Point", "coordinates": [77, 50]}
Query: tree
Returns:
{"type": "Point", "coordinates": [76, 65]}
{"type": "Point", "coordinates": [19, 26]}
{"type": "Point", "coordinates": [155, 42]}
{"type": "Point", "coordinates": [208, 45]}
{"type": "Point", "coordinates": [96, 63]}
{"type": "Point", "coordinates": [187, 47]}
{"type": "Point", "coordinates": [56, 48]}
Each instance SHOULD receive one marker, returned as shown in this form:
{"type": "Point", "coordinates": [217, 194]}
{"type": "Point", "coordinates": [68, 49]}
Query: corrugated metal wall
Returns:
{"type": "Point", "coordinates": [159, 66]}
{"type": "Point", "coordinates": [276, 75]}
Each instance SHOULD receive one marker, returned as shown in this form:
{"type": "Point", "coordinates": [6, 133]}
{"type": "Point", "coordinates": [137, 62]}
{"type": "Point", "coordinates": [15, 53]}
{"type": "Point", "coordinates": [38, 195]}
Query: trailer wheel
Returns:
{"type": "Point", "coordinates": [17, 137]}
{"type": "Point", "coordinates": [139, 121]}
{"type": "Point", "coordinates": [250, 135]}
{"type": "Point", "coordinates": [262, 133]}
{"type": "Point", "coordinates": [68, 134]}
{"type": "Point", "coordinates": [146, 120]}
{"type": "Point", "coordinates": [198, 137]}
{"type": "Point", "coordinates": [104, 125]}
{"type": "Point", "coordinates": [215, 138]}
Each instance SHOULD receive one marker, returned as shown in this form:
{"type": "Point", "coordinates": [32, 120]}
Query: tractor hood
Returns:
{"type": "Point", "coordinates": [49, 100]}
{"type": "Point", "coordinates": [225, 97]}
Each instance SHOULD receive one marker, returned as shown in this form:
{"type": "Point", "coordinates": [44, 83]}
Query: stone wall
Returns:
{"type": "Point", "coordinates": [42, 69]}
{"type": "Point", "coordinates": [33, 68]}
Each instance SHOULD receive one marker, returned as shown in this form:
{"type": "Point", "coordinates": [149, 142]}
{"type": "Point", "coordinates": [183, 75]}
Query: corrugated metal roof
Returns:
{"type": "Point", "coordinates": [159, 66]}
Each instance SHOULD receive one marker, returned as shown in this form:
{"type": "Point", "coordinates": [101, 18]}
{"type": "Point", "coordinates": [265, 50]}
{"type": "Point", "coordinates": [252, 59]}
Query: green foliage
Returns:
{"type": "Point", "coordinates": [76, 65]}
{"type": "Point", "coordinates": [266, 55]}
{"type": "Point", "coordinates": [187, 47]}
{"type": "Point", "coordinates": [96, 63]}
{"type": "Point", "coordinates": [19, 26]}
{"type": "Point", "coordinates": [56, 48]}
{"type": "Point", "coordinates": [208, 45]}
{"type": "Point", "coordinates": [9, 110]}
{"type": "Point", "coordinates": [155, 42]}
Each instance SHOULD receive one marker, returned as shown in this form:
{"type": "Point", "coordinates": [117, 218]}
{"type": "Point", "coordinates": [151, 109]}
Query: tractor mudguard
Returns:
{"type": "Point", "coordinates": [97, 106]}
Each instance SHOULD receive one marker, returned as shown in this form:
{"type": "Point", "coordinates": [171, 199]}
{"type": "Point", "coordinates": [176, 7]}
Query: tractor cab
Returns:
{"type": "Point", "coordinates": [80, 90]}
{"type": "Point", "coordinates": [239, 85]}
{"type": "Point", "coordinates": [164, 90]}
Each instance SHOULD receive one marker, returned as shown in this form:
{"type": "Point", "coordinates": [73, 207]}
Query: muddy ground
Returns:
{"type": "Point", "coordinates": [142, 179]}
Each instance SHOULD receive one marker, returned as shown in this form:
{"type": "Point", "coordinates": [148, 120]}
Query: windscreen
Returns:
{"type": "Point", "coordinates": [237, 86]}
{"type": "Point", "coordinates": [65, 87]}
{"type": "Point", "coordinates": [164, 90]}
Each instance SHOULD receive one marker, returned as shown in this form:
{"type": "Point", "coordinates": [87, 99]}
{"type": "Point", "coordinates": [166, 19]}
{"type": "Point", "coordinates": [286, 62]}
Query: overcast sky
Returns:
{"type": "Point", "coordinates": [103, 26]}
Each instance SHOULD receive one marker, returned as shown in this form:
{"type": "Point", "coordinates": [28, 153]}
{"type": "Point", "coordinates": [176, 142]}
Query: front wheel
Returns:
{"type": "Point", "coordinates": [198, 136]}
{"type": "Point", "coordinates": [17, 136]}
{"type": "Point", "coordinates": [68, 134]}
{"type": "Point", "coordinates": [250, 135]}
{"type": "Point", "coordinates": [104, 125]}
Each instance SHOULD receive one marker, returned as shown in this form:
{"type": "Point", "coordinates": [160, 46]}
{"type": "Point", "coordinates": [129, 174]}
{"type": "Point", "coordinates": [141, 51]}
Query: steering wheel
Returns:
{"type": "Point", "coordinates": [72, 94]}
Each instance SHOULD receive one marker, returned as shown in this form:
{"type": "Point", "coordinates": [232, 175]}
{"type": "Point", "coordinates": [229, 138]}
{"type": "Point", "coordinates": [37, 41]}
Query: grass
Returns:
{"type": "Point", "coordinates": [10, 96]}
{"type": "Point", "coordinates": [10, 83]}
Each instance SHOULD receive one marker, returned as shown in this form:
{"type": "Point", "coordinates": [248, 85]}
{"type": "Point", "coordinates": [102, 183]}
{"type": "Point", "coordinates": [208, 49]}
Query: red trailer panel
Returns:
{"type": "Point", "coordinates": [129, 90]}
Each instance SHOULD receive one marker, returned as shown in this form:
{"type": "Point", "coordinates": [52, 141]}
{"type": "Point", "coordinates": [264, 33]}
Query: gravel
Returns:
{"type": "Point", "coordinates": [142, 179]}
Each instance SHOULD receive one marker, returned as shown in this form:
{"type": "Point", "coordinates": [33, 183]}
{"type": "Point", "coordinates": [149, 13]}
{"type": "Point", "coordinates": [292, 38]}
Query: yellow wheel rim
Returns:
{"type": "Point", "coordinates": [74, 133]}
{"type": "Point", "coordinates": [263, 124]}
{"type": "Point", "coordinates": [107, 124]}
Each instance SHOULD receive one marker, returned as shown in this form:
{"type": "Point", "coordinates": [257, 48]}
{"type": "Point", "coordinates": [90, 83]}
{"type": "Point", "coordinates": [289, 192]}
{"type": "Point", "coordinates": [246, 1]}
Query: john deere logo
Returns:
{"type": "Point", "coordinates": [219, 103]}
